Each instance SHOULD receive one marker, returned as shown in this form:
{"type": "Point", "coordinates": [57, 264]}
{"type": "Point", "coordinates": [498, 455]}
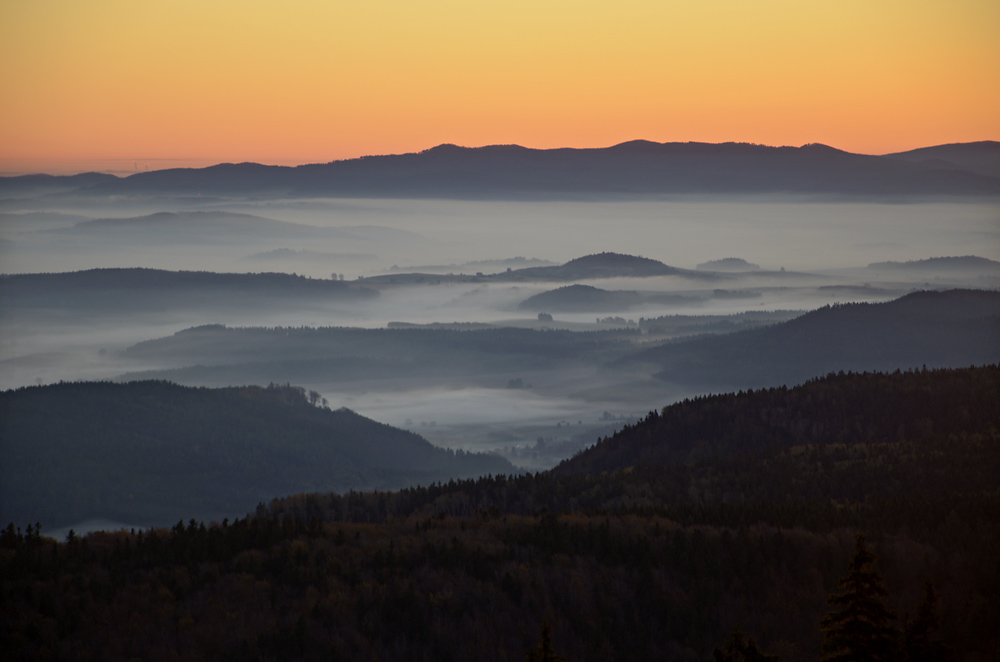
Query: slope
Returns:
{"type": "Point", "coordinates": [938, 329]}
{"type": "Point", "coordinates": [153, 452]}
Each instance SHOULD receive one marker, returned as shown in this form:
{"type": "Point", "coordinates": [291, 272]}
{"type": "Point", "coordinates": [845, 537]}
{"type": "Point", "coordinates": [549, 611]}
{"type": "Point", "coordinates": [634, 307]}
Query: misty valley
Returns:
{"type": "Point", "coordinates": [410, 389]}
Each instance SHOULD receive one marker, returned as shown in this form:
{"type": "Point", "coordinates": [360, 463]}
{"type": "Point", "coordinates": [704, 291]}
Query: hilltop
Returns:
{"type": "Point", "coordinates": [586, 298]}
{"type": "Point", "coordinates": [736, 264]}
{"type": "Point", "coordinates": [598, 265]}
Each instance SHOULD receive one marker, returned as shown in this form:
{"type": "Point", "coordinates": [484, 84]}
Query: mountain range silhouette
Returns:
{"type": "Point", "coordinates": [635, 168]}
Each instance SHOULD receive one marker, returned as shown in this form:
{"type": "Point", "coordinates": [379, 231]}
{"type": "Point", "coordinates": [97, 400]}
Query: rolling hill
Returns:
{"type": "Point", "coordinates": [598, 265]}
{"type": "Point", "coordinates": [154, 452]}
{"type": "Point", "coordinates": [586, 298]}
{"type": "Point", "coordinates": [137, 289]}
{"type": "Point", "coordinates": [953, 328]}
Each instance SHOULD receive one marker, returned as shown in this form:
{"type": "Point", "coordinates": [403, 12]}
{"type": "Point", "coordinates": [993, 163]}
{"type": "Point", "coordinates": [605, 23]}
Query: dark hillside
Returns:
{"type": "Point", "coordinates": [581, 298]}
{"type": "Point", "coordinates": [152, 452]}
{"type": "Point", "coordinates": [599, 265]}
{"type": "Point", "coordinates": [215, 355]}
{"type": "Point", "coordinates": [647, 561]}
{"type": "Point", "coordinates": [619, 264]}
{"type": "Point", "coordinates": [123, 290]}
{"type": "Point", "coordinates": [979, 157]}
{"type": "Point", "coordinates": [955, 328]}
{"type": "Point", "coordinates": [847, 409]}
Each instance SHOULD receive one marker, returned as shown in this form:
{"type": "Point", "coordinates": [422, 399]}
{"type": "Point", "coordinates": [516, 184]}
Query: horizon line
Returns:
{"type": "Point", "coordinates": [201, 163]}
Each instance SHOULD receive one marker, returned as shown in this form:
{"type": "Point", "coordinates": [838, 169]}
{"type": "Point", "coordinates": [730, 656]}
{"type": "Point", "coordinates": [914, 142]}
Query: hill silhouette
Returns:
{"type": "Point", "coordinates": [728, 264]}
{"type": "Point", "coordinates": [138, 289]}
{"type": "Point", "coordinates": [598, 265]}
{"type": "Point", "coordinates": [586, 298]}
{"type": "Point", "coordinates": [962, 263]}
{"type": "Point", "coordinates": [581, 298]}
{"type": "Point", "coordinates": [938, 329]}
{"type": "Point", "coordinates": [981, 157]}
{"type": "Point", "coordinates": [844, 409]}
{"type": "Point", "coordinates": [632, 168]}
{"type": "Point", "coordinates": [153, 452]}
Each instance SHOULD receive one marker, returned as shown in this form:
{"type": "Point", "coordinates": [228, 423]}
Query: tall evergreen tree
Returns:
{"type": "Point", "coordinates": [858, 628]}
{"type": "Point", "coordinates": [920, 636]}
{"type": "Point", "coordinates": [543, 652]}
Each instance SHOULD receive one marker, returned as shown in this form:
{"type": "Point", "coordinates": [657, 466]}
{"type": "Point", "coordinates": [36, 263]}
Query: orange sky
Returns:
{"type": "Point", "coordinates": [123, 84]}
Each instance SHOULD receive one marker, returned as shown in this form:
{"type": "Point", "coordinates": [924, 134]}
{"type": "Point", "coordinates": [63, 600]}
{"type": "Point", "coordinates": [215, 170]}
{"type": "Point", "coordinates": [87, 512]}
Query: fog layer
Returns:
{"type": "Point", "coordinates": [810, 253]}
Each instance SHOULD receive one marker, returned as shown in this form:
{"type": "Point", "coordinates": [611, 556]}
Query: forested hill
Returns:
{"type": "Point", "coordinates": [598, 265]}
{"type": "Point", "coordinates": [155, 452]}
{"type": "Point", "coordinates": [142, 289]}
{"type": "Point", "coordinates": [847, 409]}
{"type": "Point", "coordinates": [643, 561]}
{"type": "Point", "coordinates": [950, 329]}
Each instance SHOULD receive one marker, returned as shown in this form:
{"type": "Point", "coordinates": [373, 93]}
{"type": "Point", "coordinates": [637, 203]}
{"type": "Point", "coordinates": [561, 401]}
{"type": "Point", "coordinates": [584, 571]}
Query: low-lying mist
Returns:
{"type": "Point", "coordinates": [801, 254]}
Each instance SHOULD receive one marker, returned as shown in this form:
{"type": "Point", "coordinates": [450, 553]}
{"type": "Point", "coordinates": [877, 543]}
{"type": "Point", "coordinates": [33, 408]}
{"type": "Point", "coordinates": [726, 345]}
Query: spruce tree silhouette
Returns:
{"type": "Point", "coordinates": [543, 651]}
{"type": "Point", "coordinates": [920, 636]}
{"type": "Point", "coordinates": [858, 628]}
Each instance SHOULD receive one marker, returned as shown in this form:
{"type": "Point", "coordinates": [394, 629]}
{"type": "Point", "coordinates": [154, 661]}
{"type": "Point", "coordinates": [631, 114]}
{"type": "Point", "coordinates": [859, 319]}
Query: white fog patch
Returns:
{"type": "Point", "coordinates": [424, 408]}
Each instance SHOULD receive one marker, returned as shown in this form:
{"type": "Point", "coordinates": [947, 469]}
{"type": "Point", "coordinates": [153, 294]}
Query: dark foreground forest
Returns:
{"type": "Point", "coordinates": [729, 511]}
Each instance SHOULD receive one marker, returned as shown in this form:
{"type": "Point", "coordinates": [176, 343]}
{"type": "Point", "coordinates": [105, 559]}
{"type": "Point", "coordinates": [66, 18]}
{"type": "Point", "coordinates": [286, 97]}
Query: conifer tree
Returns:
{"type": "Point", "coordinates": [858, 628]}
{"type": "Point", "coordinates": [920, 636]}
{"type": "Point", "coordinates": [543, 652]}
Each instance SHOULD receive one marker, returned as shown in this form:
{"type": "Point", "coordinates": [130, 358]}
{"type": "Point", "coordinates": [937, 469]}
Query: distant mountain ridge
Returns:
{"type": "Point", "coordinates": [979, 157]}
{"type": "Point", "coordinates": [941, 263]}
{"type": "Point", "coordinates": [632, 168]}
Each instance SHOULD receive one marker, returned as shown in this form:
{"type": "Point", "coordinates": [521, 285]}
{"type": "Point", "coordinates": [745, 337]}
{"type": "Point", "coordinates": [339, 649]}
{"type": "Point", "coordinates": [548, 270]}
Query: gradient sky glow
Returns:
{"type": "Point", "coordinates": [110, 84]}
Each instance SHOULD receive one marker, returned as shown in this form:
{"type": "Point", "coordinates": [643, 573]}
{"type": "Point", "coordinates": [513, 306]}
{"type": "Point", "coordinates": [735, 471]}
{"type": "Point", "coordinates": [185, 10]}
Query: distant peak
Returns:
{"type": "Point", "coordinates": [444, 148]}
{"type": "Point", "coordinates": [608, 258]}
{"type": "Point", "coordinates": [820, 147]}
{"type": "Point", "coordinates": [639, 143]}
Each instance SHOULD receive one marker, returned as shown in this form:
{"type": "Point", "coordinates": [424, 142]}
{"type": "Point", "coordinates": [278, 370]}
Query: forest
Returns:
{"type": "Point", "coordinates": [738, 510]}
{"type": "Point", "coordinates": [149, 452]}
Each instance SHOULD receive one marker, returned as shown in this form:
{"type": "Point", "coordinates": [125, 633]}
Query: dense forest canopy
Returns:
{"type": "Point", "coordinates": [654, 544]}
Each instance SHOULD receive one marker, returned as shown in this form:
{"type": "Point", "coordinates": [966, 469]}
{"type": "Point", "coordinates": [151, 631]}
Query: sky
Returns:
{"type": "Point", "coordinates": [123, 85]}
